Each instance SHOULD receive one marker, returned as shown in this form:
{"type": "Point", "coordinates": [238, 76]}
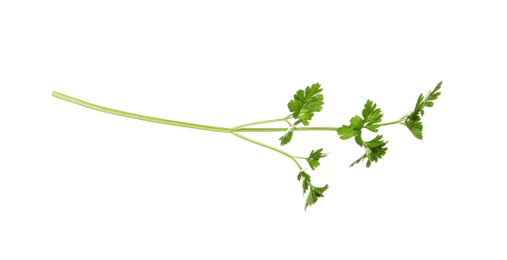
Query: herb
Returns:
{"type": "Point", "coordinates": [305, 103]}
{"type": "Point", "coordinates": [314, 192]}
{"type": "Point", "coordinates": [313, 159]}
{"type": "Point", "coordinates": [285, 139]}
{"type": "Point", "coordinates": [302, 108]}
{"type": "Point", "coordinates": [371, 117]}
{"type": "Point", "coordinates": [413, 120]}
{"type": "Point", "coordinates": [374, 150]}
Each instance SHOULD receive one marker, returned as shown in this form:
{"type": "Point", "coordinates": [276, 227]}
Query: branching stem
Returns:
{"type": "Point", "coordinates": [391, 123]}
{"type": "Point", "coordinates": [234, 130]}
{"type": "Point", "coordinates": [269, 147]}
{"type": "Point", "coordinates": [139, 117]}
{"type": "Point", "coordinates": [306, 102]}
{"type": "Point", "coordinates": [258, 123]}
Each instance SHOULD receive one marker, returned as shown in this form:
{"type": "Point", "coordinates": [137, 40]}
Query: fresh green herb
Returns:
{"type": "Point", "coordinates": [302, 109]}
{"type": "Point", "coordinates": [374, 150]}
{"type": "Point", "coordinates": [314, 192]}
{"type": "Point", "coordinates": [285, 139]}
{"type": "Point", "coordinates": [315, 156]}
{"type": "Point", "coordinates": [306, 103]}
{"type": "Point", "coordinates": [372, 116]}
{"type": "Point", "coordinates": [413, 120]}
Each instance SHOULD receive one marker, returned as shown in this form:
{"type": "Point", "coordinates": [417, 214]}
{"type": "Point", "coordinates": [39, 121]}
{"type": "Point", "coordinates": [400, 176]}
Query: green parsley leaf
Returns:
{"type": "Point", "coordinates": [413, 120]}
{"type": "Point", "coordinates": [313, 159]}
{"type": "Point", "coordinates": [416, 127]}
{"type": "Point", "coordinates": [433, 95]}
{"type": "Point", "coordinates": [306, 103]}
{"type": "Point", "coordinates": [372, 116]}
{"type": "Point", "coordinates": [314, 195]}
{"type": "Point", "coordinates": [375, 142]}
{"type": "Point", "coordinates": [374, 150]}
{"type": "Point", "coordinates": [305, 180]}
{"type": "Point", "coordinates": [285, 139]}
{"type": "Point", "coordinates": [346, 132]}
{"type": "Point", "coordinates": [358, 160]}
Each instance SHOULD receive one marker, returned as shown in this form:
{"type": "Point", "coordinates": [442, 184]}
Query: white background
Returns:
{"type": "Point", "coordinates": [79, 184]}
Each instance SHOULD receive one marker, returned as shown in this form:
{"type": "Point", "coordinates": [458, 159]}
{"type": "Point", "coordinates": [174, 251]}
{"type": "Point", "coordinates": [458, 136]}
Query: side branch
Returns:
{"type": "Point", "coordinates": [269, 147]}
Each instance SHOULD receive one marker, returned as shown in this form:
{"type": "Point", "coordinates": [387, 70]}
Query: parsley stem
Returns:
{"type": "Point", "coordinates": [140, 117]}
{"type": "Point", "coordinates": [258, 123]}
{"type": "Point", "coordinates": [390, 123]}
{"type": "Point", "coordinates": [269, 147]}
{"type": "Point", "coordinates": [282, 129]}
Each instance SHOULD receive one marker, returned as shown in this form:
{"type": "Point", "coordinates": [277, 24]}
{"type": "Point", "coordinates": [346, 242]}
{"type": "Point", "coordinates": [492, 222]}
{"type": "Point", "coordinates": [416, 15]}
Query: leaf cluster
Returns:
{"type": "Point", "coordinates": [303, 107]}
{"type": "Point", "coordinates": [306, 103]}
{"type": "Point", "coordinates": [371, 117]}
{"type": "Point", "coordinates": [285, 139]}
{"type": "Point", "coordinates": [314, 193]}
{"type": "Point", "coordinates": [315, 156]}
{"type": "Point", "coordinates": [413, 120]}
{"type": "Point", "coordinates": [374, 150]}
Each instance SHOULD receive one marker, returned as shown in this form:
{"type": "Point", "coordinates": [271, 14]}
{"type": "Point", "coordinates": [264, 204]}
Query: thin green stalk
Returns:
{"type": "Point", "coordinates": [390, 123]}
{"type": "Point", "coordinates": [284, 129]}
{"type": "Point", "coordinates": [258, 123]}
{"type": "Point", "coordinates": [269, 147]}
{"type": "Point", "coordinates": [139, 117]}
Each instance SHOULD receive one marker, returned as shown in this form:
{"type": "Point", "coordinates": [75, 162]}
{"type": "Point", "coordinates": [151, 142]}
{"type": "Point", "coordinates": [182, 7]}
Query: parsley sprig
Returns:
{"type": "Point", "coordinates": [305, 103]}
{"type": "Point", "coordinates": [315, 156]}
{"type": "Point", "coordinates": [413, 120]}
{"type": "Point", "coordinates": [302, 107]}
{"type": "Point", "coordinates": [314, 193]}
{"type": "Point", "coordinates": [375, 148]}
{"type": "Point", "coordinates": [371, 117]}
